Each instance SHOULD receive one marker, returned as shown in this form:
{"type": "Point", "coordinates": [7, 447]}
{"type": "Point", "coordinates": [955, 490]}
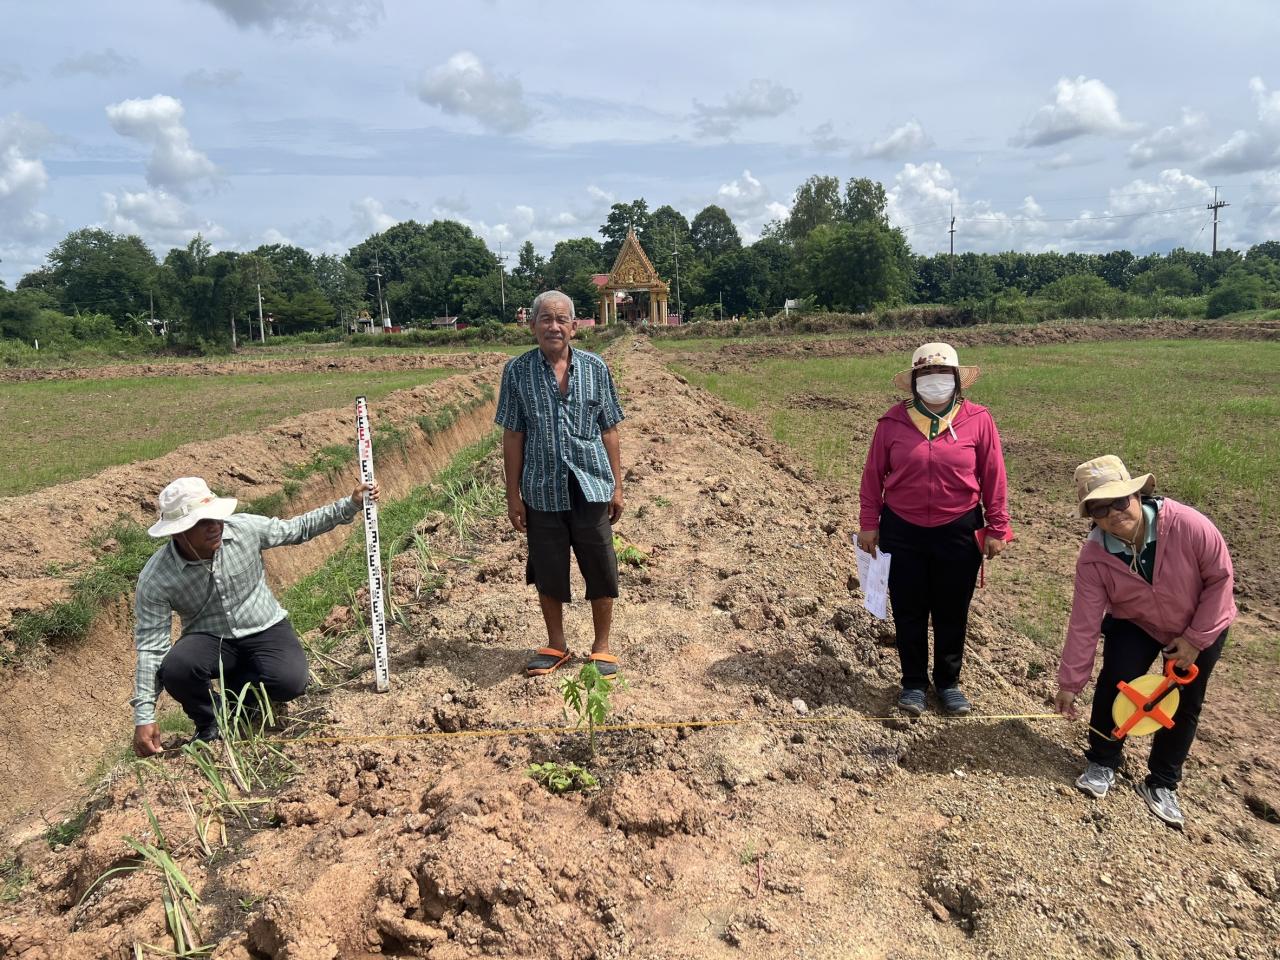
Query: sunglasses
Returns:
{"type": "Point", "coordinates": [1099, 510]}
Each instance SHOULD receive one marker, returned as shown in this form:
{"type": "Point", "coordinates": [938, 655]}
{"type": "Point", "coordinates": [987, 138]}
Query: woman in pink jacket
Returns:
{"type": "Point", "coordinates": [1153, 577]}
{"type": "Point", "coordinates": [933, 497]}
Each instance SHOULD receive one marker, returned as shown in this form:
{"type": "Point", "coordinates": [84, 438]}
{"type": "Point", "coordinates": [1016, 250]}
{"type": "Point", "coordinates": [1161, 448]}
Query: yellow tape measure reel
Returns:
{"type": "Point", "coordinates": [1149, 702]}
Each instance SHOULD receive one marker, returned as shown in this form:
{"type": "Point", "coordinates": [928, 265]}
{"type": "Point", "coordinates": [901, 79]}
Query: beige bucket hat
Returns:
{"type": "Point", "coordinates": [187, 501]}
{"type": "Point", "coordinates": [1107, 478]}
{"type": "Point", "coordinates": [936, 355]}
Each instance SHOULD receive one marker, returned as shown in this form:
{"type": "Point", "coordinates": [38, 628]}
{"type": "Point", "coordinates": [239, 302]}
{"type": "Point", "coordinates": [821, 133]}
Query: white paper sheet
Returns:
{"type": "Point", "coordinates": [873, 574]}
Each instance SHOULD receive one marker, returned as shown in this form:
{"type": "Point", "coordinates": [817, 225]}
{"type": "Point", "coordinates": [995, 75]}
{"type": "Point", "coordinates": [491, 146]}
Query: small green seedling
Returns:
{"type": "Point", "coordinates": [586, 698]}
{"type": "Point", "coordinates": [629, 554]}
{"type": "Point", "coordinates": [562, 777]}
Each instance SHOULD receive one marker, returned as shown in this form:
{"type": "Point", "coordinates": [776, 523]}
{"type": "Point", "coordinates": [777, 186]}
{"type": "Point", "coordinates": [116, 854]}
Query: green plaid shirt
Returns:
{"type": "Point", "coordinates": [227, 596]}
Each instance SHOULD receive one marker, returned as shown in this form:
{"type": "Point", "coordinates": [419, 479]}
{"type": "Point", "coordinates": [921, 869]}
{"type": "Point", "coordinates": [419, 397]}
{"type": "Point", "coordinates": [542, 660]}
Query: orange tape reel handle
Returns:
{"type": "Point", "coordinates": [1180, 677]}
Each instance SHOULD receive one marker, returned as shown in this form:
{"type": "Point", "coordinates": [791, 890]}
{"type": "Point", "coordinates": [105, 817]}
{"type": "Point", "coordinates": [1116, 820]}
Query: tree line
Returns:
{"type": "Point", "coordinates": [835, 250]}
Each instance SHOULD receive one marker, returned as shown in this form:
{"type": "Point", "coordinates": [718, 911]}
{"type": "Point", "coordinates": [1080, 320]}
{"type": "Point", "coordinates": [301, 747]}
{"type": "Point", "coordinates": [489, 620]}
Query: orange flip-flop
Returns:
{"type": "Point", "coordinates": [606, 663]}
{"type": "Point", "coordinates": [546, 660]}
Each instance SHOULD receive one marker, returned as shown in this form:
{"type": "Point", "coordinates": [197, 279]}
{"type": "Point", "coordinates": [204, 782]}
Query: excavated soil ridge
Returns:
{"type": "Point", "coordinates": [215, 368]}
{"type": "Point", "coordinates": [60, 715]}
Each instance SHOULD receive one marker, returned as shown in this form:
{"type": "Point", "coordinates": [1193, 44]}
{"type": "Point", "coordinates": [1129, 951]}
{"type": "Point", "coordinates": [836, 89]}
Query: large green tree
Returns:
{"type": "Point", "coordinates": [98, 271]}
{"type": "Point", "coordinates": [713, 234]}
{"type": "Point", "coordinates": [570, 268]}
{"type": "Point", "coordinates": [623, 217]}
{"type": "Point", "coordinates": [856, 266]}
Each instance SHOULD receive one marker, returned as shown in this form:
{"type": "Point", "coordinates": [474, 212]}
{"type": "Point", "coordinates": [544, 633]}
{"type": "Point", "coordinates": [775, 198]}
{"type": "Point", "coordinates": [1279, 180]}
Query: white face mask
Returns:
{"type": "Point", "coordinates": [936, 387]}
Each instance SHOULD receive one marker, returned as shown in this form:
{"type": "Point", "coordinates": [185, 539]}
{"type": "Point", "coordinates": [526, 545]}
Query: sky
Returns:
{"type": "Point", "coordinates": [1086, 126]}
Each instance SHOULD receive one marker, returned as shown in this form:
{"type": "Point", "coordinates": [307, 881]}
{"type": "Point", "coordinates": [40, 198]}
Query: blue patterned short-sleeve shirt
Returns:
{"type": "Point", "coordinates": [561, 434]}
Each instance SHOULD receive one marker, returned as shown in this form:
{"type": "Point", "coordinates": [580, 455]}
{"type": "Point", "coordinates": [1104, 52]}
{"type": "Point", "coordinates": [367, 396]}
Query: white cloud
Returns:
{"type": "Point", "coordinates": [464, 86]}
{"type": "Point", "coordinates": [900, 142]}
{"type": "Point", "coordinates": [370, 217]}
{"type": "Point", "coordinates": [216, 79]}
{"type": "Point", "coordinates": [1247, 150]}
{"type": "Point", "coordinates": [1268, 102]}
{"type": "Point", "coordinates": [175, 164]}
{"type": "Point", "coordinates": [1061, 161]}
{"type": "Point", "coordinates": [1080, 107]}
{"type": "Point", "coordinates": [271, 236]}
{"type": "Point", "coordinates": [599, 196]}
{"type": "Point", "coordinates": [743, 197]}
{"type": "Point", "coordinates": [825, 139]}
{"type": "Point", "coordinates": [1142, 214]}
{"type": "Point", "coordinates": [160, 218]}
{"type": "Point", "coordinates": [23, 179]}
{"type": "Point", "coordinates": [445, 206]}
{"type": "Point", "coordinates": [97, 63]}
{"type": "Point", "coordinates": [341, 18]}
{"type": "Point", "coordinates": [760, 99]}
{"type": "Point", "coordinates": [11, 74]}
{"type": "Point", "coordinates": [1179, 141]}
{"type": "Point", "coordinates": [1243, 151]}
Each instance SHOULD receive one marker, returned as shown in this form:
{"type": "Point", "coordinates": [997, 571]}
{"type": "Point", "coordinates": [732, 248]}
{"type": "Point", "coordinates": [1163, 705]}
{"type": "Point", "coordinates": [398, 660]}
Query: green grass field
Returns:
{"type": "Point", "coordinates": [61, 430]}
{"type": "Point", "coordinates": [1197, 412]}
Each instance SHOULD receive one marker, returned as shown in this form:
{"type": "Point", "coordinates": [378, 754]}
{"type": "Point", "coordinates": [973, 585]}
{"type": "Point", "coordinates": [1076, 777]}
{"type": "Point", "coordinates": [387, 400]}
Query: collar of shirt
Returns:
{"type": "Point", "coordinates": [551, 375]}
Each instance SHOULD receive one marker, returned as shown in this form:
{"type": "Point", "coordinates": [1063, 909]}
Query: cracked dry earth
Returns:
{"type": "Point", "coordinates": [777, 837]}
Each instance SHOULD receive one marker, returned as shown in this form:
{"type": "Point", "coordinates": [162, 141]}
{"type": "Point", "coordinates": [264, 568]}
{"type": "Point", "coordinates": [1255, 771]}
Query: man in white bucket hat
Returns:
{"type": "Point", "coordinates": [211, 574]}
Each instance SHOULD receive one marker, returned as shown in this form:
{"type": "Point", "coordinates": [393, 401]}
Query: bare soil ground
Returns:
{"type": "Point", "coordinates": [199, 368]}
{"type": "Point", "coordinates": [786, 835]}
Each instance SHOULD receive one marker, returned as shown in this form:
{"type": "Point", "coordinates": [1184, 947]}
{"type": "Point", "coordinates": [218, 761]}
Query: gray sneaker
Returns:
{"type": "Point", "coordinates": [911, 702]}
{"type": "Point", "coordinates": [955, 702]}
{"type": "Point", "coordinates": [1096, 780]}
{"type": "Point", "coordinates": [1163, 802]}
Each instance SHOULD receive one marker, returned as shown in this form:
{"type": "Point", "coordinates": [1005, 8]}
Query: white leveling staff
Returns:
{"type": "Point", "coordinates": [372, 550]}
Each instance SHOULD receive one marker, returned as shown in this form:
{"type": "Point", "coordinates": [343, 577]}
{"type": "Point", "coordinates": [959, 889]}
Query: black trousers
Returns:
{"type": "Point", "coordinates": [1127, 652]}
{"type": "Point", "coordinates": [585, 527]}
{"type": "Point", "coordinates": [931, 576]}
{"type": "Point", "coordinates": [274, 658]}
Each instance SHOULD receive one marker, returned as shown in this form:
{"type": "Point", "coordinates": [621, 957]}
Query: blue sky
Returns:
{"type": "Point", "coordinates": [1084, 126]}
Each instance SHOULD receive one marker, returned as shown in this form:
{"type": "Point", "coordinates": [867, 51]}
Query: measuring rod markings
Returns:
{"type": "Point", "coordinates": [372, 550]}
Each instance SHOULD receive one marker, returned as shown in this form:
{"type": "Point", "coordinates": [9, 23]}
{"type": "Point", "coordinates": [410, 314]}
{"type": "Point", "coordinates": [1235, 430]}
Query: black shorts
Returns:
{"type": "Point", "coordinates": [585, 527]}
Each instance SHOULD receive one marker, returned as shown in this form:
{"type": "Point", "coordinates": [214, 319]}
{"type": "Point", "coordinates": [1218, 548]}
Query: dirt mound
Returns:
{"type": "Point", "coordinates": [808, 827]}
{"type": "Point", "coordinates": [218, 368]}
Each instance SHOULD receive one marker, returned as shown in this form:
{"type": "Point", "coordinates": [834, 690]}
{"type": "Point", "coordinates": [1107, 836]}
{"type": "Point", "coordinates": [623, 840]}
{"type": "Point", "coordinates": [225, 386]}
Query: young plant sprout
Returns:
{"type": "Point", "coordinates": [586, 698]}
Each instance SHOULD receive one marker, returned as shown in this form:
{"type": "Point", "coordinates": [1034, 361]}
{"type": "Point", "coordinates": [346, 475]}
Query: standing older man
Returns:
{"type": "Point", "coordinates": [559, 412]}
{"type": "Point", "coordinates": [211, 574]}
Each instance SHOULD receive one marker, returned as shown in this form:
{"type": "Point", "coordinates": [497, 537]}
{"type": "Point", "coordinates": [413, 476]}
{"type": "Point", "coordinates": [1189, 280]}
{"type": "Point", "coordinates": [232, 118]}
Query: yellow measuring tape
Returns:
{"type": "Point", "coordinates": [646, 725]}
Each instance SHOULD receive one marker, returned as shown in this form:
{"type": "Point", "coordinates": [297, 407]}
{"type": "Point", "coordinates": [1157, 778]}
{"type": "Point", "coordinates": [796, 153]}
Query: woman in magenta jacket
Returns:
{"type": "Point", "coordinates": [934, 498]}
{"type": "Point", "coordinates": [1154, 576]}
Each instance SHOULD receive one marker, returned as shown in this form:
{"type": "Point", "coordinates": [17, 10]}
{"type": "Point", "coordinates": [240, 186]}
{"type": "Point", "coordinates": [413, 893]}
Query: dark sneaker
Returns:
{"type": "Point", "coordinates": [209, 734]}
{"type": "Point", "coordinates": [1096, 780]}
{"type": "Point", "coordinates": [955, 702]}
{"type": "Point", "coordinates": [1163, 802]}
{"type": "Point", "coordinates": [911, 702]}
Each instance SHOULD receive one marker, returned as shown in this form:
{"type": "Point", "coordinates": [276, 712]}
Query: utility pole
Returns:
{"type": "Point", "coordinates": [502, 280]}
{"type": "Point", "coordinates": [952, 232]}
{"type": "Point", "coordinates": [720, 300]}
{"type": "Point", "coordinates": [262, 329]}
{"type": "Point", "coordinates": [1215, 207]}
{"type": "Point", "coordinates": [383, 319]}
{"type": "Point", "coordinates": [676, 248]}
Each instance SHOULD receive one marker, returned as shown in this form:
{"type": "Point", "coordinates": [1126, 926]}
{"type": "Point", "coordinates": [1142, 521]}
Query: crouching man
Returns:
{"type": "Point", "coordinates": [211, 574]}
